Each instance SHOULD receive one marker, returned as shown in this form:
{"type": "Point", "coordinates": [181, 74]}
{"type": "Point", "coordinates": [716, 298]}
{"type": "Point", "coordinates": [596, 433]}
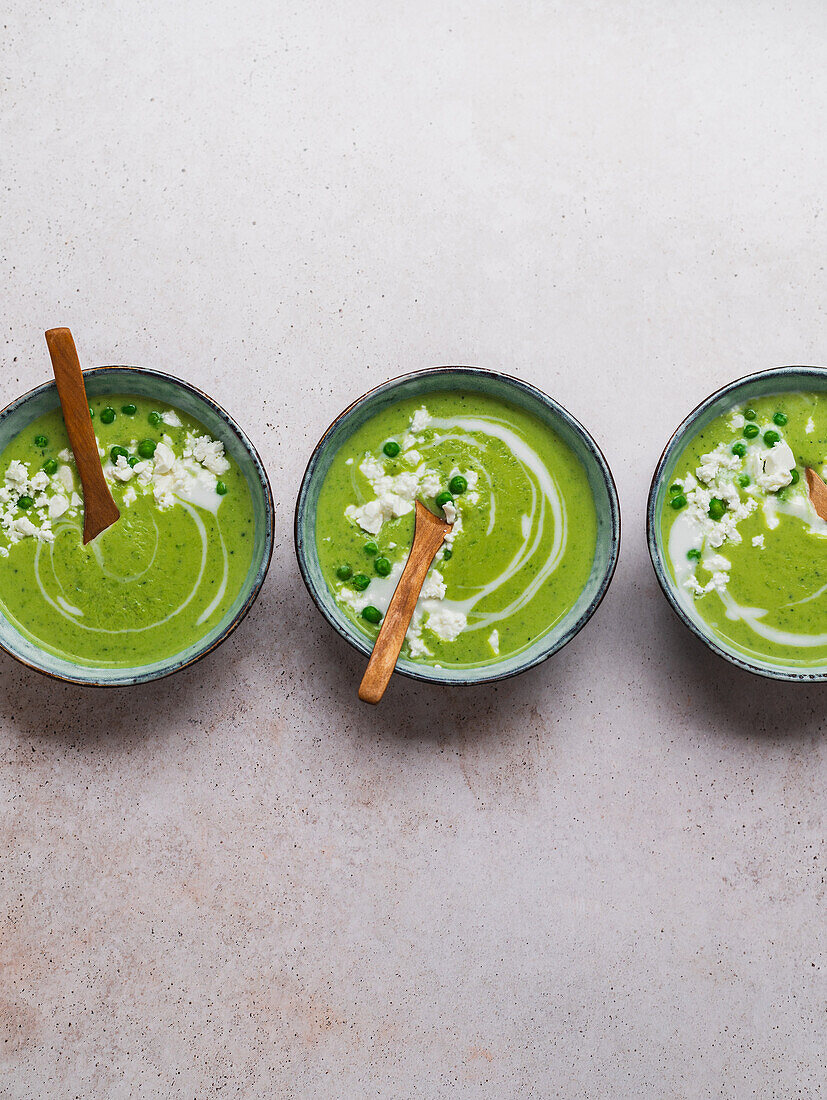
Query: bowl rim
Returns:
{"type": "Point", "coordinates": [493, 676]}
{"type": "Point", "coordinates": [261, 572]}
{"type": "Point", "coordinates": [789, 675]}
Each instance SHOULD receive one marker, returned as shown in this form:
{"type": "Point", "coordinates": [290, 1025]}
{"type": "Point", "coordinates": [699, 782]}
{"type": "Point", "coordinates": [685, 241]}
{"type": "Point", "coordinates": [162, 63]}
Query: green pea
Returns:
{"type": "Point", "coordinates": [382, 566]}
{"type": "Point", "coordinates": [750, 414]}
{"type": "Point", "coordinates": [780, 419]}
{"type": "Point", "coordinates": [41, 441]}
{"type": "Point", "coordinates": [372, 614]}
{"type": "Point", "coordinates": [391, 448]}
{"type": "Point", "coordinates": [751, 431]}
{"type": "Point", "coordinates": [717, 507]}
{"type": "Point", "coordinates": [50, 467]}
{"type": "Point", "coordinates": [133, 460]}
{"type": "Point", "coordinates": [146, 448]}
{"type": "Point", "coordinates": [344, 572]}
{"type": "Point", "coordinates": [360, 582]}
{"type": "Point", "coordinates": [24, 502]}
{"type": "Point", "coordinates": [129, 409]}
{"type": "Point", "coordinates": [678, 501]}
{"type": "Point", "coordinates": [447, 555]}
{"type": "Point", "coordinates": [108, 415]}
{"type": "Point", "coordinates": [693, 555]}
{"type": "Point", "coordinates": [743, 479]}
{"type": "Point", "coordinates": [676, 487]}
{"type": "Point", "coordinates": [154, 419]}
{"type": "Point", "coordinates": [457, 484]}
{"type": "Point", "coordinates": [371, 548]}
{"type": "Point", "coordinates": [739, 449]}
{"type": "Point", "coordinates": [118, 452]}
{"type": "Point", "coordinates": [443, 498]}
{"type": "Point", "coordinates": [771, 438]}
{"type": "Point", "coordinates": [795, 475]}
{"type": "Point", "coordinates": [221, 488]}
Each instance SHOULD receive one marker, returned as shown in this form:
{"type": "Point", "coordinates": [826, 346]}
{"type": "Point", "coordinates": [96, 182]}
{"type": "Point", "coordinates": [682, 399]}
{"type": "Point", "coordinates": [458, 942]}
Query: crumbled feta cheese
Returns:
{"type": "Point", "coordinates": [57, 506]}
{"type": "Point", "coordinates": [64, 479]}
{"type": "Point", "coordinates": [17, 474]}
{"type": "Point", "coordinates": [170, 417]}
{"type": "Point", "coordinates": [24, 526]}
{"type": "Point", "coordinates": [431, 483]}
{"type": "Point", "coordinates": [368, 516]}
{"type": "Point", "coordinates": [421, 420]}
{"type": "Point", "coordinates": [758, 540]}
{"type": "Point", "coordinates": [778, 463]}
{"type": "Point", "coordinates": [446, 623]}
{"type": "Point", "coordinates": [210, 453]}
{"type": "Point", "coordinates": [122, 470]}
{"type": "Point", "coordinates": [164, 458]}
{"type": "Point", "coordinates": [714, 462]}
{"type": "Point", "coordinates": [810, 426]}
{"type": "Point", "coordinates": [434, 586]}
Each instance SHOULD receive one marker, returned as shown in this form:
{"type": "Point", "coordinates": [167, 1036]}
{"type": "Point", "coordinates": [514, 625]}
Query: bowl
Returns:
{"type": "Point", "coordinates": [150, 383]}
{"type": "Point", "coordinates": [760, 384]}
{"type": "Point", "coordinates": [503, 387]}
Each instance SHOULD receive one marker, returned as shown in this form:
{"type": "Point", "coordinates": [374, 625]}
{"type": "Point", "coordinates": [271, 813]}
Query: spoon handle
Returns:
{"type": "Point", "coordinates": [429, 534]}
{"type": "Point", "coordinates": [99, 509]}
{"type": "Point", "coordinates": [817, 492]}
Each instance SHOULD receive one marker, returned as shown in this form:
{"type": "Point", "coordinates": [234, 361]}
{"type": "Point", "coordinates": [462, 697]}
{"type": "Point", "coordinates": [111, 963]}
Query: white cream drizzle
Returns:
{"type": "Point", "coordinates": [71, 613]}
{"type": "Point", "coordinates": [549, 498]}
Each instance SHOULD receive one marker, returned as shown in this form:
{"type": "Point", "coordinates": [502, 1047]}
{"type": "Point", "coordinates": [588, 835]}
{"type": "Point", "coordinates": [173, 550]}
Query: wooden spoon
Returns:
{"type": "Point", "coordinates": [99, 509]}
{"type": "Point", "coordinates": [818, 492]}
{"type": "Point", "coordinates": [429, 534]}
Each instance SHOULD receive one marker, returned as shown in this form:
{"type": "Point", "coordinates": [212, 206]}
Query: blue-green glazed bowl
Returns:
{"type": "Point", "coordinates": [761, 384]}
{"type": "Point", "coordinates": [162, 387]}
{"type": "Point", "coordinates": [505, 388]}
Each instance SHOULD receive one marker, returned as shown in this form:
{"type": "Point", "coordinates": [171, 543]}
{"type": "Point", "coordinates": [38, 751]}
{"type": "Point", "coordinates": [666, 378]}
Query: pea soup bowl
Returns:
{"type": "Point", "coordinates": [477, 383]}
{"type": "Point", "coordinates": [165, 389]}
{"type": "Point", "coordinates": [743, 391]}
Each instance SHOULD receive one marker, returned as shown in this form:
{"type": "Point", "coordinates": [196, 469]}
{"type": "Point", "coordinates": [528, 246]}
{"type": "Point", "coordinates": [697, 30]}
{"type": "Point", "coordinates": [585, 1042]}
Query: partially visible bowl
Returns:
{"type": "Point", "coordinates": [760, 384]}
{"type": "Point", "coordinates": [164, 387]}
{"type": "Point", "coordinates": [505, 388]}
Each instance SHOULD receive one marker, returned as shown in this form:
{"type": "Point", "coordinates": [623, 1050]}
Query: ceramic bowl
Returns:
{"type": "Point", "coordinates": [764, 383]}
{"type": "Point", "coordinates": [501, 386]}
{"type": "Point", "coordinates": [163, 387]}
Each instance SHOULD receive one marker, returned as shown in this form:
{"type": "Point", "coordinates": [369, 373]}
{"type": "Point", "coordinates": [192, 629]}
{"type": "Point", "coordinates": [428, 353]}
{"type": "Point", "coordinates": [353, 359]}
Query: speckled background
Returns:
{"type": "Point", "coordinates": [604, 879]}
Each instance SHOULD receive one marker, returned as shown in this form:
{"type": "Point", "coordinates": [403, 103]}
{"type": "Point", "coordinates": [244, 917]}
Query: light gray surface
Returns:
{"type": "Point", "coordinates": [604, 879]}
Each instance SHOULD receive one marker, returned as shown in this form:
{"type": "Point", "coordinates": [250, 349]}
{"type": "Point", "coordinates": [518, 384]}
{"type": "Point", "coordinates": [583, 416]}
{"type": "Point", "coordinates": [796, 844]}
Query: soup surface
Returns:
{"type": "Point", "coordinates": [156, 581]}
{"type": "Point", "coordinates": [746, 548]}
{"type": "Point", "coordinates": [524, 525]}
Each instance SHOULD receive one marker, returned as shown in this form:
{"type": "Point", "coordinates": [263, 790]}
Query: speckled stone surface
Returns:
{"type": "Point", "coordinates": [604, 879]}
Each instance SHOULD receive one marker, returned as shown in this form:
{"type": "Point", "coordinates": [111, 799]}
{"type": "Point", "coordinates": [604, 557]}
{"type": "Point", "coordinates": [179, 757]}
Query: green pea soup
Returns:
{"type": "Point", "coordinates": [745, 548]}
{"type": "Point", "coordinates": [159, 579]}
{"type": "Point", "coordinates": [524, 525]}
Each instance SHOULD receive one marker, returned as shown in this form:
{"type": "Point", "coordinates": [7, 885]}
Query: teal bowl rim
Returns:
{"type": "Point", "coordinates": [360, 643]}
{"type": "Point", "coordinates": [677, 439]}
{"type": "Point", "coordinates": [261, 572]}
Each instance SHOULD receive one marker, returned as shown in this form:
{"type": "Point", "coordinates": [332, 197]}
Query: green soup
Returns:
{"type": "Point", "coordinates": [524, 525]}
{"type": "Point", "coordinates": [155, 582]}
{"type": "Point", "coordinates": [745, 545]}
